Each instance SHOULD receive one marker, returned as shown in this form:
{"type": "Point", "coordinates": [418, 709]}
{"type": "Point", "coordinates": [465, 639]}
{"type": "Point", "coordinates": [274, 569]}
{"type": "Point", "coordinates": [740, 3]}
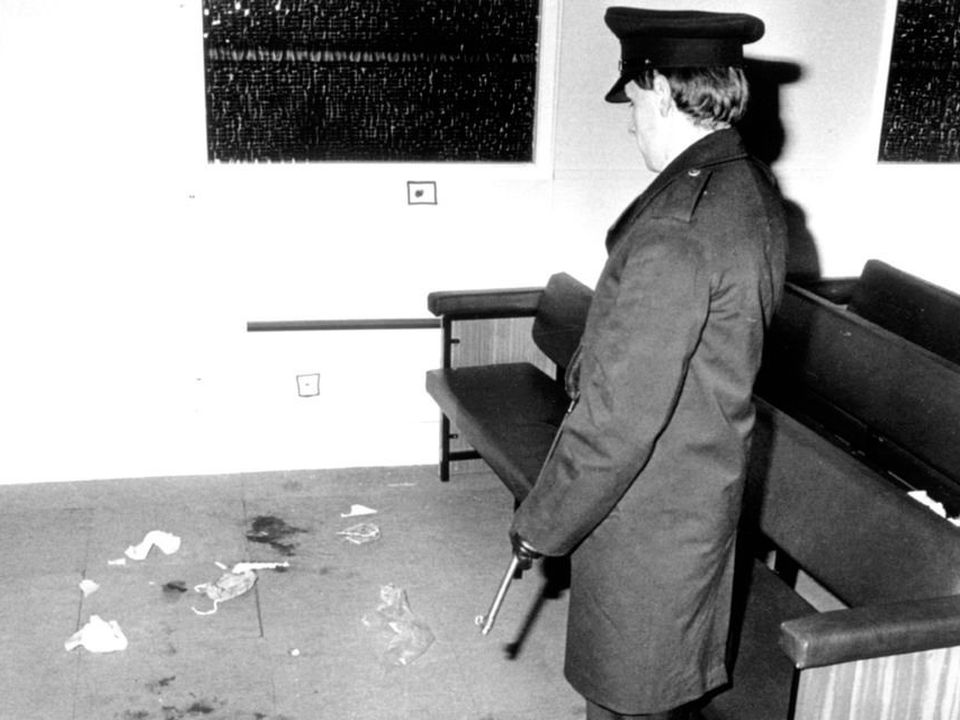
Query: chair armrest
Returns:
{"type": "Point", "coordinates": [836, 290]}
{"type": "Point", "coordinates": [478, 304]}
{"type": "Point", "coordinates": [872, 631]}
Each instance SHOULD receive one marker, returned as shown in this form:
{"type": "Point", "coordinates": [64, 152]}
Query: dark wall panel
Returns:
{"type": "Point", "coordinates": [921, 119]}
{"type": "Point", "coordinates": [371, 80]}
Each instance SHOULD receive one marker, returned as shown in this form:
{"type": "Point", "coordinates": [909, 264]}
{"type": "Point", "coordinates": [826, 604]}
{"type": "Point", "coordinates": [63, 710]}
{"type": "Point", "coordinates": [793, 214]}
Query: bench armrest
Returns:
{"type": "Point", "coordinates": [836, 290]}
{"type": "Point", "coordinates": [872, 631]}
{"type": "Point", "coordinates": [479, 304]}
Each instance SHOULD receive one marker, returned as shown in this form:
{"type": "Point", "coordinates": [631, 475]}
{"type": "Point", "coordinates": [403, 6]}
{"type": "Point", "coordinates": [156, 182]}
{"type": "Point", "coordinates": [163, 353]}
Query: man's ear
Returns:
{"type": "Point", "coordinates": [661, 86]}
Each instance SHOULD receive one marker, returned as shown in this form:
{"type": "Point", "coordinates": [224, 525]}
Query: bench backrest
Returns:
{"type": "Point", "coordinates": [886, 397]}
{"type": "Point", "coordinates": [861, 537]}
{"type": "Point", "coordinates": [561, 316]}
{"type": "Point", "coordinates": [915, 309]}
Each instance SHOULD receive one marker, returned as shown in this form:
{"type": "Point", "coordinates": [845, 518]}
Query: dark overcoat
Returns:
{"type": "Point", "coordinates": [644, 483]}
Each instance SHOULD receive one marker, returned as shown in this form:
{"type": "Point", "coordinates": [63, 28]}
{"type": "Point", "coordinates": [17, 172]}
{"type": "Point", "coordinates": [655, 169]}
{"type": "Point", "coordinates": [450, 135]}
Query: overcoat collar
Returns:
{"type": "Point", "coordinates": [718, 147]}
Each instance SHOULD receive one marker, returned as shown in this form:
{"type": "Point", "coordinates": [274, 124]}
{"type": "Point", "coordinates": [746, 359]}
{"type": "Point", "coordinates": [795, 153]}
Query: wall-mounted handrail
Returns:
{"type": "Point", "coordinates": [360, 324]}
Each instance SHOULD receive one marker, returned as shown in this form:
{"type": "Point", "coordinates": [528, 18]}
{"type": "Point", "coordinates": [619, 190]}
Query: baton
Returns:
{"type": "Point", "coordinates": [486, 621]}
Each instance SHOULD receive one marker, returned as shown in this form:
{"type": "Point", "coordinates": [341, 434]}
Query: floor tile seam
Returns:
{"type": "Point", "coordinates": [76, 687]}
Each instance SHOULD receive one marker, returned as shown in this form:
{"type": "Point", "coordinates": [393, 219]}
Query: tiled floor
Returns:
{"type": "Point", "coordinates": [295, 647]}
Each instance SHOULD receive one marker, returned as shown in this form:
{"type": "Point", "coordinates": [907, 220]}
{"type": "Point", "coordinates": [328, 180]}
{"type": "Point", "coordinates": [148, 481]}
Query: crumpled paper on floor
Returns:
{"type": "Point", "coordinates": [88, 587]}
{"type": "Point", "coordinates": [406, 636]}
{"type": "Point", "coordinates": [356, 510]}
{"type": "Point", "coordinates": [167, 542]}
{"type": "Point", "coordinates": [98, 636]}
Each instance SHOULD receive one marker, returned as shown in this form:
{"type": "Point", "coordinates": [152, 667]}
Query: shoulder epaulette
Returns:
{"type": "Point", "coordinates": [679, 200]}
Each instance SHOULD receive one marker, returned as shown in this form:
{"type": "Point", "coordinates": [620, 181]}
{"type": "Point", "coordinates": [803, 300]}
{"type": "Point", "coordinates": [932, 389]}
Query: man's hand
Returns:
{"type": "Point", "coordinates": [523, 551]}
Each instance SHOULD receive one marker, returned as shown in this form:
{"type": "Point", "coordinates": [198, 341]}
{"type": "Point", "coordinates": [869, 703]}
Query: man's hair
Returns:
{"type": "Point", "coordinates": [711, 96]}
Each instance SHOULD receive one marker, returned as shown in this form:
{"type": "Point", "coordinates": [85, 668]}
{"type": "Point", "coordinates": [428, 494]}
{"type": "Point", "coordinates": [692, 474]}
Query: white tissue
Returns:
{"type": "Point", "coordinates": [167, 542]}
{"type": "Point", "coordinates": [98, 636]}
{"type": "Point", "coordinates": [921, 497]}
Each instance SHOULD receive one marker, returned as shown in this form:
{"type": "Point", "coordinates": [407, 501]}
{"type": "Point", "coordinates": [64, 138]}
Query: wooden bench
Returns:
{"type": "Point", "coordinates": [885, 399]}
{"type": "Point", "coordinates": [916, 310]}
{"type": "Point", "coordinates": [893, 650]}
{"type": "Point", "coordinates": [892, 562]}
{"type": "Point", "coordinates": [508, 412]}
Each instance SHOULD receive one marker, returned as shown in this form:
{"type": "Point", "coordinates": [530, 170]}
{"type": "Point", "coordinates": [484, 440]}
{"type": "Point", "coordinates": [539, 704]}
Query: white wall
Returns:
{"type": "Point", "coordinates": [830, 117]}
{"type": "Point", "coordinates": [130, 266]}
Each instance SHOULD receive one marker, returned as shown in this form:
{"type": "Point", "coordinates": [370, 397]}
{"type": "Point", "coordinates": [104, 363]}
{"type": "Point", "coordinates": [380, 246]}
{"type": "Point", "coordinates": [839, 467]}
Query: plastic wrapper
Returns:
{"type": "Point", "coordinates": [404, 635]}
{"type": "Point", "coordinates": [360, 533]}
{"type": "Point", "coordinates": [230, 585]}
{"type": "Point", "coordinates": [234, 583]}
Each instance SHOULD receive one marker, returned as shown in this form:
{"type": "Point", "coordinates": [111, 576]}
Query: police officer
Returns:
{"type": "Point", "coordinates": [644, 483]}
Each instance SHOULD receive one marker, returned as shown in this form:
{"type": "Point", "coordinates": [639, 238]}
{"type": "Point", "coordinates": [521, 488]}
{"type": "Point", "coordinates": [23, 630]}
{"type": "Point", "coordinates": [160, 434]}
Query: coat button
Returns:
{"type": "Point", "coordinates": [693, 172]}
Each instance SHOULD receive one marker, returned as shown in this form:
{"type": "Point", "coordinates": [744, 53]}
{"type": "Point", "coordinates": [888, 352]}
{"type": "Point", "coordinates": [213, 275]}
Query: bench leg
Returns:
{"type": "Point", "coordinates": [448, 341]}
{"type": "Point", "coordinates": [444, 448]}
{"type": "Point", "coordinates": [448, 456]}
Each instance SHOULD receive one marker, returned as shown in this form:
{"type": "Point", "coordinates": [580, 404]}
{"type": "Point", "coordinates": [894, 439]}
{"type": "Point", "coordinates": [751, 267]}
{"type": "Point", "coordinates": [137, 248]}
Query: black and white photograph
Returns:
{"type": "Point", "coordinates": [479, 360]}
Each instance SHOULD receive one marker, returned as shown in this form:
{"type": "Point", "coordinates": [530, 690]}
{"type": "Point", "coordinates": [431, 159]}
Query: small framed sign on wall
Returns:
{"type": "Point", "coordinates": [371, 80]}
{"type": "Point", "coordinates": [921, 118]}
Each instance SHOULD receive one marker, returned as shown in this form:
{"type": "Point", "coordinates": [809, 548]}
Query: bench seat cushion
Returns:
{"type": "Point", "coordinates": [762, 673]}
{"type": "Point", "coordinates": [508, 412]}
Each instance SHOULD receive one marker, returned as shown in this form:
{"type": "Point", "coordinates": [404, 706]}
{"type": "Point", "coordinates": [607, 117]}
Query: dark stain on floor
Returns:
{"type": "Point", "coordinates": [174, 589]}
{"type": "Point", "coordinates": [273, 531]}
{"type": "Point", "coordinates": [198, 708]}
{"type": "Point", "coordinates": [157, 685]}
